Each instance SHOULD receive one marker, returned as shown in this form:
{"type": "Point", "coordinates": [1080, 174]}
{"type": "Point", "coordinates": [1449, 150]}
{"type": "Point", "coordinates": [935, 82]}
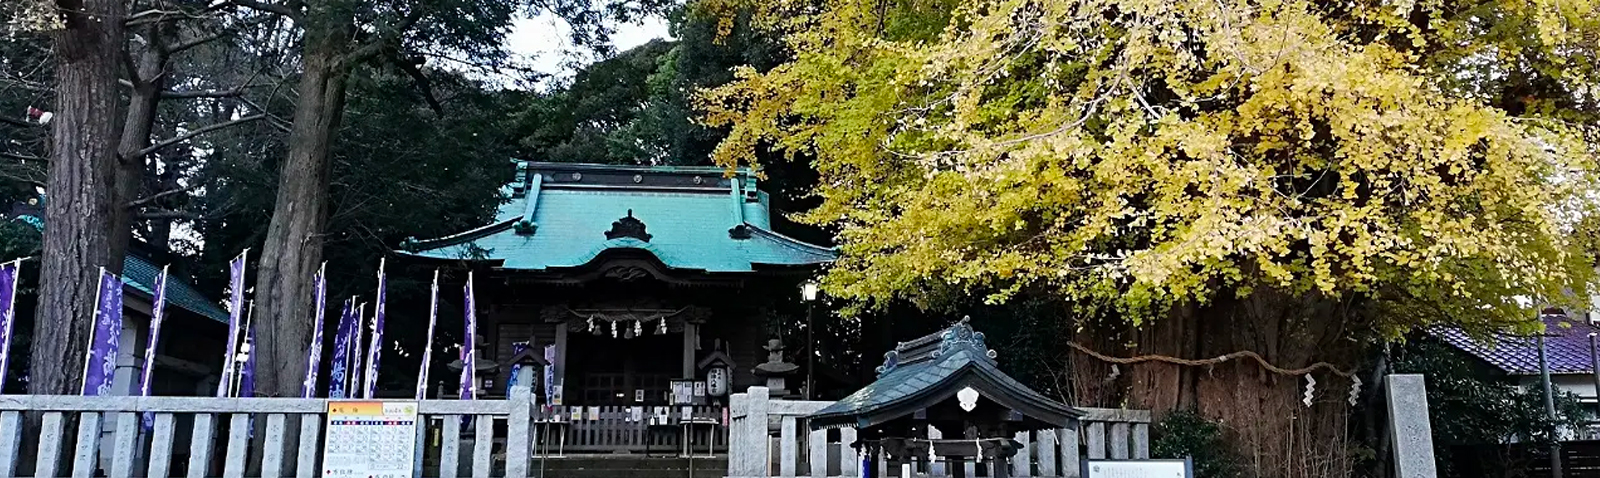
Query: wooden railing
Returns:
{"type": "Point", "coordinates": [654, 429]}
{"type": "Point", "coordinates": [760, 450]}
{"type": "Point", "coordinates": [188, 432]}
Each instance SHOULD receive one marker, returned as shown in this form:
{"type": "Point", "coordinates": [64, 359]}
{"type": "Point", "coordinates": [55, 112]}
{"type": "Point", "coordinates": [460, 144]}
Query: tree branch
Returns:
{"type": "Point", "coordinates": [167, 214]}
{"type": "Point", "coordinates": [205, 93]}
{"type": "Point", "coordinates": [377, 45]}
{"type": "Point", "coordinates": [270, 8]}
{"type": "Point", "coordinates": [157, 196]}
{"type": "Point", "coordinates": [231, 93]}
{"type": "Point", "coordinates": [411, 67]}
{"type": "Point", "coordinates": [197, 132]}
{"type": "Point", "coordinates": [19, 123]}
{"type": "Point", "coordinates": [178, 47]}
{"type": "Point", "coordinates": [133, 68]}
{"type": "Point", "coordinates": [22, 157]}
{"type": "Point", "coordinates": [279, 123]}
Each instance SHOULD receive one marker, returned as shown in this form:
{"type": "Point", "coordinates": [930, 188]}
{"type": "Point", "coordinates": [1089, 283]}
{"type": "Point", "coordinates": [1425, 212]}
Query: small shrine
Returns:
{"type": "Point", "coordinates": [946, 381]}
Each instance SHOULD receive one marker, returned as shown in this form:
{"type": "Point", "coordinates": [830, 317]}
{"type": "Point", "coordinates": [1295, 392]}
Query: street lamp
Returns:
{"type": "Point", "coordinates": [808, 293]}
{"type": "Point", "coordinates": [1594, 367]}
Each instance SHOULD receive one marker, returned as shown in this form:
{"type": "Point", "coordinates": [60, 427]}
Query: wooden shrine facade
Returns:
{"type": "Point", "coordinates": [642, 286]}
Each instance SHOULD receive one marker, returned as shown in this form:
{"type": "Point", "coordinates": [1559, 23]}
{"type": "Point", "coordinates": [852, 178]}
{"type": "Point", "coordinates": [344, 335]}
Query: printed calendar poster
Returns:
{"type": "Point", "coordinates": [368, 439]}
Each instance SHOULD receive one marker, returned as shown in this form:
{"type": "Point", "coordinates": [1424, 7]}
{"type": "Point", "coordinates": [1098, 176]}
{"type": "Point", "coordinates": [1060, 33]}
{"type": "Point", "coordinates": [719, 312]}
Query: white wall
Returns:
{"type": "Point", "coordinates": [1580, 384]}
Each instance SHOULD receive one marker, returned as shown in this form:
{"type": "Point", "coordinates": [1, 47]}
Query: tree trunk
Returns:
{"type": "Point", "coordinates": [78, 209]}
{"type": "Point", "coordinates": [1274, 433]}
{"type": "Point", "coordinates": [136, 128]}
{"type": "Point", "coordinates": [293, 248]}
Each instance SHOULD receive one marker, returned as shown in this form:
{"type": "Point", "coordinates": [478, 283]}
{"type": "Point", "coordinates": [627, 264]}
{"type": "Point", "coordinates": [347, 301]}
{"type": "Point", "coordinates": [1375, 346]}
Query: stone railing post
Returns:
{"type": "Point", "coordinates": [749, 444]}
{"type": "Point", "coordinates": [519, 429]}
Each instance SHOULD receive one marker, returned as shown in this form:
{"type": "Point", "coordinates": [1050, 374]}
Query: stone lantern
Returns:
{"type": "Point", "coordinates": [776, 369]}
{"type": "Point", "coordinates": [484, 368]}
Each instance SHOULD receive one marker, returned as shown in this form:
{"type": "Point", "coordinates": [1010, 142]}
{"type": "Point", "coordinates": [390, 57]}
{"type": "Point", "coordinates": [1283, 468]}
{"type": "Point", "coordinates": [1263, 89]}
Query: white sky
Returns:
{"type": "Point", "coordinates": [545, 43]}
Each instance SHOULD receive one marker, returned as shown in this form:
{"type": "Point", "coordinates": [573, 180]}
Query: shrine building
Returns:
{"type": "Point", "coordinates": [634, 282]}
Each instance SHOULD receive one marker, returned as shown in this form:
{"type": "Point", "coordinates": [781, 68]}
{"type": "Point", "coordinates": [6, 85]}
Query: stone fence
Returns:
{"type": "Point", "coordinates": [770, 438]}
{"type": "Point", "coordinates": [187, 431]}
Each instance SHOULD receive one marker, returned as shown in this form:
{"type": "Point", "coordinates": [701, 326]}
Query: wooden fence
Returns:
{"type": "Point", "coordinates": [760, 451]}
{"type": "Point", "coordinates": [1579, 459]}
{"type": "Point", "coordinates": [655, 429]}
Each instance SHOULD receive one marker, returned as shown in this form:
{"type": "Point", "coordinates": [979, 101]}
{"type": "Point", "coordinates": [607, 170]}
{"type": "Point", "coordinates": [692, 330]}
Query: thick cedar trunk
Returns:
{"type": "Point", "coordinates": [136, 128]}
{"type": "Point", "coordinates": [82, 172]}
{"type": "Point", "coordinates": [293, 248]}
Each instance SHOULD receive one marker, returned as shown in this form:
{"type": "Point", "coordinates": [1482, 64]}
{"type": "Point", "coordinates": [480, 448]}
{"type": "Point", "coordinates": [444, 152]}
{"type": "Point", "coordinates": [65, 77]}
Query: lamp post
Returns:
{"type": "Point", "coordinates": [1549, 409]}
{"type": "Point", "coordinates": [808, 293]}
{"type": "Point", "coordinates": [1594, 367]}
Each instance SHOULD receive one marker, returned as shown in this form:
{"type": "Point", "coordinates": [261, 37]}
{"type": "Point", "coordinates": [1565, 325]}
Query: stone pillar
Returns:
{"type": "Point", "coordinates": [1409, 428]}
{"type": "Point", "coordinates": [749, 446]}
{"type": "Point", "coordinates": [124, 382]}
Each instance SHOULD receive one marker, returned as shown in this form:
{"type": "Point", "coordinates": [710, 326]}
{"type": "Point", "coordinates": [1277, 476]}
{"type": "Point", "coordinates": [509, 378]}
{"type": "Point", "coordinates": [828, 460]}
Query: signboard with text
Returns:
{"type": "Point", "coordinates": [1098, 468]}
{"type": "Point", "coordinates": [370, 439]}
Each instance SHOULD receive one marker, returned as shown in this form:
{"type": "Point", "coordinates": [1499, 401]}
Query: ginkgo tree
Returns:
{"type": "Point", "coordinates": [1298, 178]}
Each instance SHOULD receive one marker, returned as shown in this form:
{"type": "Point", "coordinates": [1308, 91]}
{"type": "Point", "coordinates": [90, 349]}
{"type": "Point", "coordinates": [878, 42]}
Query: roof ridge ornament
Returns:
{"type": "Point", "coordinates": [891, 360]}
{"type": "Point", "coordinates": [628, 226]}
{"type": "Point", "coordinates": [962, 335]}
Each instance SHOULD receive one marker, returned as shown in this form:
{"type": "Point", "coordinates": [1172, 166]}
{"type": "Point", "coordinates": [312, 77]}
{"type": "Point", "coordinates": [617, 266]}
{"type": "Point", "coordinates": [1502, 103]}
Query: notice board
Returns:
{"type": "Point", "coordinates": [370, 439]}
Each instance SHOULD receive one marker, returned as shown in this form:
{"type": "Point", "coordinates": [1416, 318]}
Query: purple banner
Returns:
{"type": "Point", "coordinates": [101, 364]}
{"type": "Point", "coordinates": [370, 387]}
{"type": "Point", "coordinates": [235, 313]}
{"type": "Point", "coordinates": [427, 341]}
{"type": "Point", "coordinates": [339, 367]}
{"type": "Point", "coordinates": [158, 313]}
{"type": "Point", "coordinates": [308, 388]}
{"type": "Point", "coordinates": [550, 375]}
{"type": "Point", "coordinates": [516, 371]}
{"type": "Point", "coordinates": [356, 354]}
{"type": "Point", "coordinates": [8, 306]}
{"type": "Point", "coordinates": [469, 348]}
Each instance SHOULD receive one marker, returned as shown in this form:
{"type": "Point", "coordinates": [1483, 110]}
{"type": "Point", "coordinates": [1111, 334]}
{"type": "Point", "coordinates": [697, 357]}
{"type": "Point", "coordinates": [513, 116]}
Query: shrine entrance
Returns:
{"type": "Point", "coordinates": [602, 370]}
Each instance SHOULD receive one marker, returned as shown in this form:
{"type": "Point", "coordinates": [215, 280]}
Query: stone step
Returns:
{"type": "Point", "coordinates": [629, 466]}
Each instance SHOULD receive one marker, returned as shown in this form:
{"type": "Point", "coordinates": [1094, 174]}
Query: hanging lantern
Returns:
{"type": "Point", "coordinates": [661, 329]}
{"type": "Point", "coordinates": [613, 329]}
{"type": "Point", "coordinates": [591, 325]}
{"type": "Point", "coordinates": [638, 328]}
{"type": "Point", "coordinates": [718, 370]}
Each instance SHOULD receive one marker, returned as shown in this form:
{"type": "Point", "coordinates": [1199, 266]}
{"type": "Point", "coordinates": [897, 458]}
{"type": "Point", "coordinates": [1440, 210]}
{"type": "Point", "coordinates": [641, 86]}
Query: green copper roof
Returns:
{"type": "Point", "coordinates": [564, 215]}
{"type": "Point", "coordinates": [918, 374]}
{"type": "Point", "coordinates": [140, 274]}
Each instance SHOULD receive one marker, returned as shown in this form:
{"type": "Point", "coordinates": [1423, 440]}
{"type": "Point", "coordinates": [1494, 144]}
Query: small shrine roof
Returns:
{"type": "Point", "coordinates": [932, 369]}
{"type": "Point", "coordinates": [560, 215]}
{"type": "Point", "coordinates": [139, 273]}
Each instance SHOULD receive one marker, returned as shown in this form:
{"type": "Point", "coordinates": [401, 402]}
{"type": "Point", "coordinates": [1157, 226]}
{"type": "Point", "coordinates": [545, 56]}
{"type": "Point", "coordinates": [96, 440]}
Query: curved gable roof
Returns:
{"type": "Point", "coordinates": [566, 215]}
{"type": "Point", "coordinates": [933, 369]}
